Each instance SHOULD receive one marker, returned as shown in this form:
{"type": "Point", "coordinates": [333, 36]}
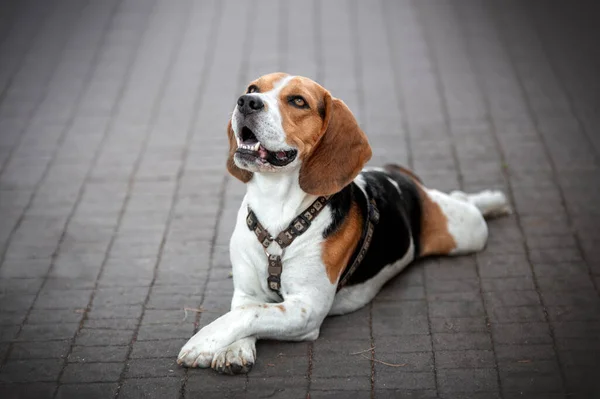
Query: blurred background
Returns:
{"type": "Point", "coordinates": [116, 208]}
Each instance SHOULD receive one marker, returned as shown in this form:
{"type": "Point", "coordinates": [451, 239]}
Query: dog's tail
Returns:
{"type": "Point", "coordinates": [490, 203]}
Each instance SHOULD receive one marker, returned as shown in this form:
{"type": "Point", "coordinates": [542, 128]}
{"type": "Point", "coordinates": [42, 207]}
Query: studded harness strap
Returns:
{"type": "Point", "coordinates": [365, 239]}
{"type": "Point", "coordinates": [296, 228]}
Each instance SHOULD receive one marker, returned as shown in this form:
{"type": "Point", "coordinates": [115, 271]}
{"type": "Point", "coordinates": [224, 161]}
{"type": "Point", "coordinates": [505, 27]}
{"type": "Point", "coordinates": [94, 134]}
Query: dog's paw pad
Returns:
{"type": "Point", "coordinates": [235, 359]}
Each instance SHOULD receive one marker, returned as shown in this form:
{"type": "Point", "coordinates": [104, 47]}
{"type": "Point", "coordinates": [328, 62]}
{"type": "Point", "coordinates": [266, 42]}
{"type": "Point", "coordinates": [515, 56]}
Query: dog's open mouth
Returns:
{"type": "Point", "coordinates": [251, 149]}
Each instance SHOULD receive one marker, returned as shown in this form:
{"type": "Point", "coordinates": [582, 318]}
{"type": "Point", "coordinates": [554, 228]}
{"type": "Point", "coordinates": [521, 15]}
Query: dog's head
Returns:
{"type": "Point", "coordinates": [287, 122]}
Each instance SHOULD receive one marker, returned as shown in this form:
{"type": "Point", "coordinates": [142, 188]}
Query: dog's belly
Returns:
{"type": "Point", "coordinates": [354, 297]}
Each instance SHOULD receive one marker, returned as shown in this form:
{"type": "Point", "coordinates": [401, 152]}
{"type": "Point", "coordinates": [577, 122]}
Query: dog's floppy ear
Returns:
{"type": "Point", "coordinates": [238, 173]}
{"type": "Point", "coordinates": [339, 155]}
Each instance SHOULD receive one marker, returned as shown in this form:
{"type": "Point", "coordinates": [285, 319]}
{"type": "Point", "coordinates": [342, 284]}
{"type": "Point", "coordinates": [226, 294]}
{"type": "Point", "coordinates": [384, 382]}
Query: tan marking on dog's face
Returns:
{"type": "Point", "coordinates": [435, 237]}
{"type": "Point", "coordinates": [302, 105]}
{"type": "Point", "coordinates": [338, 248]}
{"type": "Point", "coordinates": [280, 307]}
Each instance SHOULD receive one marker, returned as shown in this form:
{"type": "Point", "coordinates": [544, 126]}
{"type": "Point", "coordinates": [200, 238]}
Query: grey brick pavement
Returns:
{"type": "Point", "coordinates": [116, 210]}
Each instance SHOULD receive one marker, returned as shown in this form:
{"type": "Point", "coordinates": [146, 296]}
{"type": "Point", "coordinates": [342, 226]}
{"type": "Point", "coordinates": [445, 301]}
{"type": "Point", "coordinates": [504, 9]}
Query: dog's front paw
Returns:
{"type": "Point", "coordinates": [237, 358]}
{"type": "Point", "coordinates": [196, 353]}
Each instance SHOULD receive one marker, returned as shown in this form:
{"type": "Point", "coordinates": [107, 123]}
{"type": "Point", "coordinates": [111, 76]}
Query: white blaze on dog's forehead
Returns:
{"type": "Point", "coordinates": [277, 87]}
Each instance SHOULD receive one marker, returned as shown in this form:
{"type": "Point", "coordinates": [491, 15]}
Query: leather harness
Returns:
{"type": "Point", "coordinates": [296, 228]}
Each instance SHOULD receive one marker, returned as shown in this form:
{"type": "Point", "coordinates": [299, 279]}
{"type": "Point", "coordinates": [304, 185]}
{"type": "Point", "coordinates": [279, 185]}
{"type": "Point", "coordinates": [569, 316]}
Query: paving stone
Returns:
{"type": "Point", "coordinates": [287, 348]}
{"type": "Point", "coordinates": [162, 367]}
{"type": "Point", "coordinates": [75, 299]}
{"type": "Point", "coordinates": [277, 387]}
{"type": "Point", "coordinates": [165, 348]}
{"type": "Point", "coordinates": [40, 350]}
{"type": "Point", "coordinates": [93, 354]}
{"type": "Point", "coordinates": [31, 390]}
{"type": "Point", "coordinates": [116, 312]}
{"type": "Point", "coordinates": [456, 309]}
{"type": "Point", "coordinates": [108, 297]}
{"type": "Point", "coordinates": [8, 333]}
{"type": "Point", "coordinates": [11, 318]}
{"type": "Point", "coordinates": [16, 302]}
{"type": "Point", "coordinates": [473, 380]}
{"type": "Point", "coordinates": [507, 284]}
{"type": "Point", "coordinates": [31, 370]}
{"type": "Point", "coordinates": [521, 333]}
{"type": "Point", "coordinates": [333, 394]}
{"type": "Point", "coordinates": [516, 353]}
{"type": "Point", "coordinates": [464, 359]}
{"type": "Point", "coordinates": [288, 366]}
{"type": "Point", "coordinates": [159, 388]}
{"type": "Point", "coordinates": [210, 381]}
{"type": "Point", "coordinates": [164, 331]}
{"type": "Point", "coordinates": [341, 383]}
{"type": "Point", "coordinates": [48, 332]}
{"type": "Point", "coordinates": [394, 379]}
{"type": "Point", "coordinates": [395, 393]}
{"type": "Point", "coordinates": [112, 324]}
{"type": "Point", "coordinates": [458, 324]}
{"type": "Point", "coordinates": [91, 372]}
{"type": "Point", "coordinates": [20, 285]}
{"type": "Point", "coordinates": [405, 343]}
{"type": "Point", "coordinates": [99, 337]}
{"type": "Point", "coordinates": [25, 268]}
{"type": "Point", "coordinates": [461, 341]}
{"type": "Point", "coordinates": [402, 318]}
{"type": "Point", "coordinates": [87, 390]}
{"type": "Point", "coordinates": [58, 316]}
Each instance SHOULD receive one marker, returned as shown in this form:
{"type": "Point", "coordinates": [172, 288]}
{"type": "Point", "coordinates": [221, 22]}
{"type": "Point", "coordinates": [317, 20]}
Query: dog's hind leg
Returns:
{"type": "Point", "coordinates": [489, 202]}
{"type": "Point", "coordinates": [454, 224]}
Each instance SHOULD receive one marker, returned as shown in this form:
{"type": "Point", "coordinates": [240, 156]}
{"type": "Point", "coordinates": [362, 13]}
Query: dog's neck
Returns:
{"type": "Point", "coordinates": [276, 199]}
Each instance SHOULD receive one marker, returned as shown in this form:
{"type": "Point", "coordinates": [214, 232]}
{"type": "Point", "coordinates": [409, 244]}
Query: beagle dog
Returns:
{"type": "Point", "coordinates": [316, 234]}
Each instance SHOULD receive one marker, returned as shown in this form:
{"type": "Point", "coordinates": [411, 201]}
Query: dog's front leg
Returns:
{"type": "Point", "coordinates": [239, 357]}
{"type": "Point", "coordinates": [297, 318]}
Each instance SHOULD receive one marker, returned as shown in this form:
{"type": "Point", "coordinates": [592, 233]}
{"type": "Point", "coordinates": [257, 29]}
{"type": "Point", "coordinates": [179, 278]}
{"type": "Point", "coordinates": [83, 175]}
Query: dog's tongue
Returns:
{"type": "Point", "coordinates": [262, 152]}
{"type": "Point", "coordinates": [280, 154]}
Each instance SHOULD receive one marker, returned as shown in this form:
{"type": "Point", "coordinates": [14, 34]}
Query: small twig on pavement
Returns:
{"type": "Point", "coordinates": [185, 310]}
{"type": "Point", "coordinates": [366, 350]}
{"type": "Point", "coordinates": [385, 363]}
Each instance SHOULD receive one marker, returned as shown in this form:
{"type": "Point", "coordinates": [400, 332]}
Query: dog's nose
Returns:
{"type": "Point", "coordinates": [248, 104]}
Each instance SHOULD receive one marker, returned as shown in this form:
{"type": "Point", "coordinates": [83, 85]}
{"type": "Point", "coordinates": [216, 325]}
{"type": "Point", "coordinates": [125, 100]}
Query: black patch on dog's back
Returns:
{"type": "Point", "coordinates": [399, 222]}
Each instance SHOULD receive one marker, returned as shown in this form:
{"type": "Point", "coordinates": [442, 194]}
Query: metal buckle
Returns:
{"type": "Point", "coordinates": [251, 221]}
{"type": "Point", "coordinates": [304, 225]}
{"type": "Point", "coordinates": [274, 282]}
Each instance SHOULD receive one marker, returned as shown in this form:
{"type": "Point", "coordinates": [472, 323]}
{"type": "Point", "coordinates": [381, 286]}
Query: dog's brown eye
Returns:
{"type": "Point", "coordinates": [252, 89]}
{"type": "Point", "coordinates": [298, 101]}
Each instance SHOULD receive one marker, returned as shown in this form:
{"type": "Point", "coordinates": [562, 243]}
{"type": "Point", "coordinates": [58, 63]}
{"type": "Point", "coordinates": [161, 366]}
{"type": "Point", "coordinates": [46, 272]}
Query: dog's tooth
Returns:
{"type": "Point", "coordinates": [256, 146]}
